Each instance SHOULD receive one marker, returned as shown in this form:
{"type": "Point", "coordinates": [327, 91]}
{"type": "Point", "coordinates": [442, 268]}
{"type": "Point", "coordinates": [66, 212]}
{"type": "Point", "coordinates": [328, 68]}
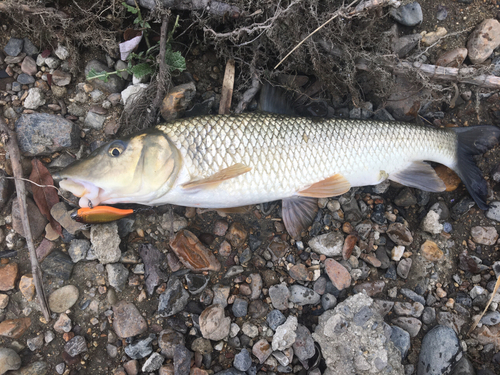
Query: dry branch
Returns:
{"type": "Point", "coordinates": [227, 89]}
{"type": "Point", "coordinates": [9, 139]}
{"type": "Point", "coordinates": [217, 8]}
{"type": "Point", "coordinates": [249, 94]}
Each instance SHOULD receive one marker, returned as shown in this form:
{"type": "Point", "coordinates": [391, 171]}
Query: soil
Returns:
{"type": "Point", "coordinates": [206, 59]}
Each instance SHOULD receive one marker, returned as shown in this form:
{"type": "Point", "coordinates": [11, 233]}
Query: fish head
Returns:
{"type": "Point", "coordinates": [134, 169]}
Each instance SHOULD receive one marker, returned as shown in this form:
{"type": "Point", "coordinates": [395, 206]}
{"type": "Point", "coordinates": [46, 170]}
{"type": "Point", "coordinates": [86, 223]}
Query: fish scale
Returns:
{"type": "Point", "coordinates": [287, 153]}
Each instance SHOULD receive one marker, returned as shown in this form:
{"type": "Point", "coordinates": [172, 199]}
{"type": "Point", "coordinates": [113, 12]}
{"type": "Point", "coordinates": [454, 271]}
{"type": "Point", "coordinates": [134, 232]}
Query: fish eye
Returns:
{"type": "Point", "coordinates": [116, 148]}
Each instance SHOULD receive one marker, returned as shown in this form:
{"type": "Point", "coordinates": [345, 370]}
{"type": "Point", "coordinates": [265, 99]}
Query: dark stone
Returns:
{"type": "Point", "coordinates": [461, 208]}
{"type": "Point", "coordinates": [25, 79]}
{"type": "Point", "coordinates": [58, 264]}
{"type": "Point", "coordinates": [257, 309]}
{"type": "Point", "coordinates": [401, 340]}
{"type": "Point", "coordinates": [242, 360]}
{"type": "Point", "coordinates": [14, 46]}
{"type": "Point", "coordinates": [408, 15]}
{"type": "Point", "coordinates": [196, 283]}
{"type": "Point", "coordinates": [391, 272]}
{"type": "Point", "coordinates": [381, 254]}
{"type": "Point", "coordinates": [69, 360]}
{"type": "Point", "coordinates": [182, 360]}
{"type": "Point", "coordinates": [29, 48]}
{"type": "Point", "coordinates": [275, 318]}
{"type": "Point", "coordinates": [429, 315]}
{"type": "Point", "coordinates": [45, 134]}
{"type": "Point", "coordinates": [152, 258]}
{"type": "Point", "coordinates": [440, 348]}
{"type": "Point", "coordinates": [114, 83]}
{"type": "Point", "coordinates": [405, 198]}
{"type": "Point", "coordinates": [174, 299]}
{"type": "Point", "coordinates": [412, 295]}
{"type": "Point", "coordinates": [141, 348]}
{"type": "Point", "coordinates": [303, 347]}
{"type": "Point", "coordinates": [240, 307]}
{"type": "Point", "coordinates": [75, 346]}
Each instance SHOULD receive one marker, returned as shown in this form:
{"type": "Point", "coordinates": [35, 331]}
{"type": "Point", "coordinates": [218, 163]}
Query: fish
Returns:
{"type": "Point", "coordinates": [228, 161]}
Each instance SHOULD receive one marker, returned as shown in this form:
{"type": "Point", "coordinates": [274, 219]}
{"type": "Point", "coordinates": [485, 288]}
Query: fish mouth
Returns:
{"type": "Point", "coordinates": [89, 193]}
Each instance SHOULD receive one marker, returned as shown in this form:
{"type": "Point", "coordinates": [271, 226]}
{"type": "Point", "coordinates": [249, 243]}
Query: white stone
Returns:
{"type": "Point", "coordinates": [397, 252]}
{"type": "Point", "coordinates": [61, 52]}
{"type": "Point", "coordinates": [431, 223]}
{"type": "Point", "coordinates": [35, 98]}
{"type": "Point", "coordinates": [285, 335]}
{"type": "Point", "coordinates": [131, 92]}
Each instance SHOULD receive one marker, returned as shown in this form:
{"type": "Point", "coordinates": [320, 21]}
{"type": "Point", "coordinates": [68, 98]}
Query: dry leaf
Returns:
{"type": "Point", "coordinates": [45, 197]}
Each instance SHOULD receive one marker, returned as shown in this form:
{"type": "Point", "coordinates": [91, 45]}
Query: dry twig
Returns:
{"type": "Point", "coordinates": [249, 94]}
{"type": "Point", "coordinates": [10, 141]}
{"type": "Point", "coordinates": [227, 89]}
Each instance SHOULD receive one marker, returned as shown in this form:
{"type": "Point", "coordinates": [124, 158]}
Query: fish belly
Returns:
{"type": "Point", "coordinates": [287, 154]}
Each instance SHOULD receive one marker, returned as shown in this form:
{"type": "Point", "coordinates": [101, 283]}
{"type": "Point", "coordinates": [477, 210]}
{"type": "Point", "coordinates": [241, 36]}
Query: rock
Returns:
{"type": "Point", "coordinates": [35, 368]}
{"type": "Point", "coordinates": [255, 285]}
{"type": "Point", "coordinates": [440, 348]}
{"type": "Point", "coordinates": [237, 235]}
{"type": "Point", "coordinates": [14, 46]}
{"type": "Point", "coordinates": [52, 62]}
{"type": "Point", "coordinates": [328, 301]}
{"type": "Point", "coordinates": [301, 295]}
{"type": "Point", "coordinates": [35, 343]}
{"type": "Point", "coordinates": [63, 299]}
{"type": "Point", "coordinates": [192, 253]}
{"type": "Point", "coordinates": [45, 134]}
{"type": "Point", "coordinates": [300, 272]}
{"type": "Point", "coordinates": [371, 288]}
{"type": "Point", "coordinates": [279, 295]}
{"type": "Point", "coordinates": [410, 325]}
{"type": "Point", "coordinates": [58, 264]}
{"type": "Point", "coordinates": [414, 309]}
{"type": "Point", "coordinates": [412, 295]}
{"type": "Point", "coordinates": [153, 363]}
{"type": "Point", "coordinates": [448, 176]}
{"type": "Point", "coordinates": [4, 300]}
{"type": "Point", "coordinates": [408, 15]}
{"type": "Point", "coordinates": [61, 78]}
{"type": "Point", "coordinates": [114, 83]}
{"type": "Point", "coordinates": [262, 350]}
{"type": "Point", "coordinates": [169, 339]}
{"type": "Point", "coordinates": [383, 307]}
{"type": "Point", "coordinates": [402, 46]}
{"type": "Point", "coordinates": [401, 340]}
{"type": "Point", "coordinates": [484, 235]}
{"type": "Point", "coordinates": [490, 319]}
{"type": "Point", "coordinates": [285, 335]}
{"type": "Point", "coordinates": [131, 92]}
{"type": "Point", "coordinates": [275, 318]}
{"type": "Point", "coordinates": [78, 250]}
{"type": "Point", "coordinates": [430, 38]}
{"type": "Point", "coordinates": [75, 346]}
{"type": "Point", "coordinates": [303, 347]}
{"type": "Point", "coordinates": [140, 349]}
{"type": "Point", "coordinates": [451, 320]}
{"type": "Point", "coordinates": [29, 67]}
{"type": "Point", "coordinates": [176, 101]}
{"type": "Point", "coordinates": [25, 79]}
{"type": "Point", "coordinates": [35, 98]}
{"type": "Point", "coordinates": [483, 40]}
{"type": "Point", "coordinates": [94, 120]}
{"type": "Point", "coordinates": [214, 325]}
{"type": "Point", "coordinates": [242, 360]}
{"type": "Point", "coordinates": [338, 274]}
{"type": "Point", "coordinates": [63, 217]}
{"type": "Point", "coordinates": [14, 328]}
{"type": "Point", "coordinates": [196, 283]}
{"type": "Point", "coordinates": [403, 268]}
{"type": "Point", "coordinates": [429, 315]}
{"type": "Point", "coordinates": [221, 293]}
{"type": "Point", "coordinates": [29, 48]}
{"type": "Point", "coordinates": [431, 251]}
{"type": "Point", "coordinates": [174, 299]}
{"type": "Point", "coordinates": [128, 321]}
{"type": "Point", "coordinates": [452, 59]}
{"type": "Point", "coordinates": [493, 212]}
{"type": "Point", "coordinates": [61, 52]}
{"type": "Point", "coordinates": [117, 275]}
{"type": "Point", "coordinates": [250, 330]}
{"type": "Point", "coordinates": [105, 242]}
{"type": "Point", "coordinates": [399, 234]}
{"type": "Point", "coordinates": [431, 223]}
{"type": "Point", "coordinates": [9, 360]}
{"type": "Point", "coordinates": [8, 276]}
{"type": "Point", "coordinates": [63, 324]}
{"type": "Point", "coordinates": [37, 220]}
{"type": "Point", "coordinates": [240, 307]}
{"type": "Point", "coordinates": [405, 198]}
{"type": "Point", "coordinates": [336, 330]}
{"type": "Point", "coordinates": [397, 253]}
{"type": "Point", "coordinates": [329, 244]}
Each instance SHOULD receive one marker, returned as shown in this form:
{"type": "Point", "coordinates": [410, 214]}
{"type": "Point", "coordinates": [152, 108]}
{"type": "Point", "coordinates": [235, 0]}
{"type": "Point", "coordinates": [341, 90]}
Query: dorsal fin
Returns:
{"type": "Point", "coordinates": [419, 175]}
{"type": "Point", "coordinates": [329, 187]}
{"type": "Point", "coordinates": [298, 213]}
{"type": "Point", "coordinates": [233, 171]}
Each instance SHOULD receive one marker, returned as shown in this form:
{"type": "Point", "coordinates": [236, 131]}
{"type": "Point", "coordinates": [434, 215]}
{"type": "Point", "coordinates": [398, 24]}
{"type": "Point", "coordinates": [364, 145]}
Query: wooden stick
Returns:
{"type": "Point", "coordinates": [9, 139]}
{"type": "Point", "coordinates": [227, 89]}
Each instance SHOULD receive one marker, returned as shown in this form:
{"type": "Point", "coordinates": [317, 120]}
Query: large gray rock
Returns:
{"type": "Point", "coordinates": [355, 340]}
{"type": "Point", "coordinates": [9, 360]}
{"type": "Point", "coordinates": [440, 351]}
{"type": "Point", "coordinates": [43, 134]}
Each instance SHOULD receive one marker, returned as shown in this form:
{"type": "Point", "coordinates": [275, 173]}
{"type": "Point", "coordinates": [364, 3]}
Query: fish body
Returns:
{"type": "Point", "coordinates": [227, 161]}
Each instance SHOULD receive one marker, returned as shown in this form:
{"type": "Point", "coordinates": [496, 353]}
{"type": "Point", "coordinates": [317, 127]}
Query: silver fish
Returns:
{"type": "Point", "coordinates": [229, 161]}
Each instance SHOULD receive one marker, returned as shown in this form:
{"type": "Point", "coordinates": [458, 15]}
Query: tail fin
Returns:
{"type": "Point", "coordinates": [474, 141]}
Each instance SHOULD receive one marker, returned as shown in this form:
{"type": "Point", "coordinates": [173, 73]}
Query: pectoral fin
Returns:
{"type": "Point", "coordinates": [218, 177]}
{"type": "Point", "coordinates": [298, 213]}
{"type": "Point", "coordinates": [329, 187]}
{"type": "Point", "coordinates": [419, 175]}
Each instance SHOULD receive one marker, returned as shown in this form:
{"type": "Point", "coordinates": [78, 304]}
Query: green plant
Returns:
{"type": "Point", "coordinates": [145, 61]}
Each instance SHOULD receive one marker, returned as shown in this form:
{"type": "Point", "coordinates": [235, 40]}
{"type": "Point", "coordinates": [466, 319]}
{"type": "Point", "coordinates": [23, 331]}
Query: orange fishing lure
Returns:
{"type": "Point", "coordinates": [100, 214]}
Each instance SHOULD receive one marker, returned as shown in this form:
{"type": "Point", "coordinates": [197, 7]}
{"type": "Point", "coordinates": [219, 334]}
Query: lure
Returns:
{"type": "Point", "coordinates": [100, 214]}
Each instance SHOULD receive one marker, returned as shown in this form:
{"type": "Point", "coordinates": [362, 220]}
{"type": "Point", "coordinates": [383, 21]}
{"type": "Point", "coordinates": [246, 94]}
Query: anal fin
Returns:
{"type": "Point", "coordinates": [419, 175]}
{"type": "Point", "coordinates": [329, 187]}
{"type": "Point", "coordinates": [223, 175]}
{"type": "Point", "coordinates": [298, 213]}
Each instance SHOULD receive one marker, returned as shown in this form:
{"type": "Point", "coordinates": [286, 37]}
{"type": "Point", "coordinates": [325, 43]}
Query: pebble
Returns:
{"type": "Point", "coordinates": [429, 315]}
{"type": "Point", "coordinates": [177, 100]}
{"type": "Point", "coordinates": [262, 350]}
{"type": "Point", "coordinates": [414, 309]}
{"type": "Point", "coordinates": [53, 62]}
{"type": "Point", "coordinates": [35, 98]}
{"type": "Point", "coordinates": [4, 300]}
{"type": "Point", "coordinates": [493, 212]}
{"type": "Point", "coordinates": [411, 325]}
{"type": "Point", "coordinates": [484, 235]}
{"type": "Point", "coordinates": [127, 320]}
{"type": "Point", "coordinates": [220, 227]}
{"type": "Point", "coordinates": [240, 307]}
{"type": "Point", "coordinates": [303, 347]}
{"type": "Point", "coordinates": [399, 234]}
{"type": "Point", "coordinates": [401, 340]}
{"type": "Point", "coordinates": [153, 363]}
{"type": "Point", "coordinates": [405, 198]}
{"type": "Point", "coordinates": [78, 249]}
{"type": "Point", "coordinates": [14, 328]}
{"type": "Point", "coordinates": [452, 59]}
{"type": "Point", "coordinates": [403, 45]}
{"type": "Point", "coordinates": [431, 223]}
{"type": "Point", "coordinates": [60, 368]}
{"type": "Point", "coordinates": [408, 15]}
{"type": "Point", "coordinates": [94, 120]}
{"type": "Point", "coordinates": [255, 285]}
{"type": "Point", "coordinates": [63, 324]}
{"type": "Point", "coordinates": [106, 242]}
{"type": "Point", "coordinates": [192, 253]}
{"type": "Point", "coordinates": [431, 251]}
{"type": "Point", "coordinates": [25, 79]}
{"type": "Point", "coordinates": [8, 276]}
{"type": "Point", "coordinates": [58, 264]}
{"type": "Point", "coordinates": [117, 275]}
{"type": "Point", "coordinates": [14, 46]}
{"type": "Point", "coordinates": [242, 360]}
{"type": "Point", "coordinates": [196, 283]}
{"type": "Point", "coordinates": [9, 360]}
{"type": "Point", "coordinates": [338, 274]}
{"type": "Point", "coordinates": [403, 268]}
{"type": "Point", "coordinates": [432, 37]}
{"type": "Point", "coordinates": [237, 235]}
{"type": "Point", "coordinates": [491, 318]}
{"type": "Point", "coordinates": [141, 348]}
{"type": "Point", "coordinates": [301, 295]}
{"type": "Point", "coordinates": [483, 40]}
{"type": "Point", "coordinates": [201, 345]}
{"type": "Point", "coordinates": [440, 347]}
{"type": "Point", "coordinates": [29, 48]}
{"type": "Point", "coordinates": [275, 318]}
{"type": "Point", "coordinates": [371, 288]}
{"type": "Point", "coordinates": [251, 330]}
{"type": "Point", "coordinates": [37, 220]}
{"type": "Point", "coordinates": [330, 244]}
{"type": "Point", "coordinates": [63, 299]}
{"type": "Point", "coordinates": [214, 325]}
{"type": "Point", "coordinates": [397, 253]}
{"type": "Point", "coordinates": [168, 339]}
{"type": "Point", "coordinates": [285, 335]}
{"type": "Point", "coordinates": [328, 301]}
{"type": "Point", "coordinates": [113, 85]}
{"type": "Point", "coordinates": [383, 307]}
{"type": "Point", "coordinates": [174, 299]}
{"type": "Point", "coordinates": [35, 343]}
{"type": "Point", "coordinates": [279, 295]}
{"type": "Point", "coordinates": [75, 346]}
{"type": "Point", "coordinates": [61, 52]}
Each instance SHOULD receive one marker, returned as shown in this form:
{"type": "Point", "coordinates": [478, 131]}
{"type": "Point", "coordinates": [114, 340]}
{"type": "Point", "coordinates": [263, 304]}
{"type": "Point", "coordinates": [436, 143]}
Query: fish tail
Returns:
{"type": "Point", "coordinates": [474, 141]}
